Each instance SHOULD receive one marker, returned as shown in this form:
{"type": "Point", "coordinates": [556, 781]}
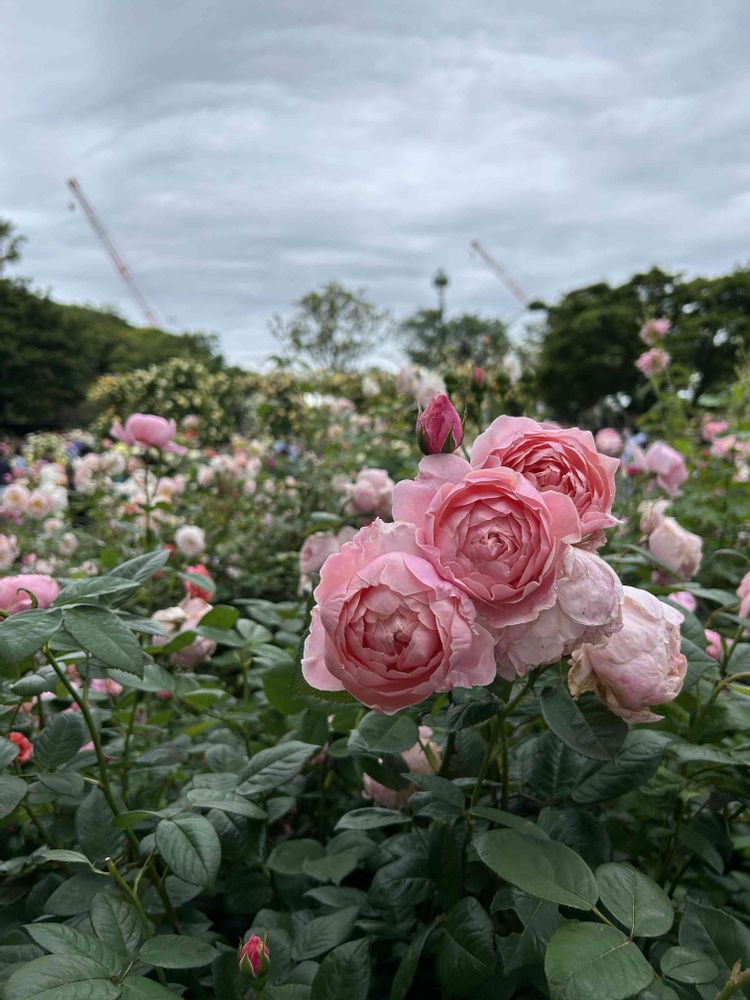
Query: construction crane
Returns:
{"type": "Point", "coordinates": [122, 268]}
{"type": "Point", "coordinates": [513, 287]}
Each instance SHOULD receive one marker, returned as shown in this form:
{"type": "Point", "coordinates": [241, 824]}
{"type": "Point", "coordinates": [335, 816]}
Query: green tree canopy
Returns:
{"type": "Point", "coordinates": [435, 342]}
{"type": "Point", "coordinates": [333, 327]}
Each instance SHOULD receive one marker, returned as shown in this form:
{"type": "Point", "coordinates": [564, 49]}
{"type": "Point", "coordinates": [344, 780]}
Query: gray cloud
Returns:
{"type": "Point", "coordinates": [243, 152]}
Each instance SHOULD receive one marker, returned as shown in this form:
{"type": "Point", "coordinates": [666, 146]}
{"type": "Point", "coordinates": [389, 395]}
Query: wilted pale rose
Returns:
{"type": "Point", "coordinates": [654, 330]}
{"type": "Point", "coordinates": [653, 362]}
{"type": "Point", "coordinates": [185, 617]}
{"type": "Point", "coordinates": [369, 387]}
{"type": "Point", "coordinates": [190, 540]}
{"type": "Point", "coordinates": [553, 459]}
{"type": "Point", "coordinates": [417, 762]}
{"type": "Point", "coordinates": [389, 629]}
{"type": "Point", "coordinates": [13, 596]}
{"type": "Point", "coordinates": [146, 430]}
{"type": "Point", "coordinates": [67, 544]}
{"type": "Point", "coordinates": [715, 647]}
{"type": "Point", "coordinates": [8, 551]}
{"type": "Point", "coordinates": [743, 592]}
{"type": "Point", "coordinates": [15, 499]}
{"type": "Point", "coordinates": [679, 549]}
{"type": "Point", "coordinates": [491, 533]}
{"type": "Point", "coordinates": [371, 493]}
{"type": "Point", "coordinates": [668, 465]}
{"type": "Point", "coordinates": [609, 441]}
{"type": "Point", "coordinates": [588, 609]}
{"type": "Point", "coordinates": [685, 599]}
{"type": "Point", "coordinates": [639, 666]}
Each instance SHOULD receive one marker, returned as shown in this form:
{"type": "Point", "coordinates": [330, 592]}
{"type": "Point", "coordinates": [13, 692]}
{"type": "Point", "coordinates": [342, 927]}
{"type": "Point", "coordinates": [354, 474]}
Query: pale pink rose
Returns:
{"type": "Point", "coordinates": [654, 330]}
{"type": "Point", "coordinates": [105, 685]}
{"type": "Point", "coordinates": [668, 465]}
{"type": "Point", "coordinates": [715, 647]}
{"type": "Point", "coordinates": [679, 549]}
{"type": "Point", "coordinates": [389, 629]}
{"type": "Point", "coordinates": [417, 762]}
{"type": "Point", "coordinates": [553, 459]}
{"type": "Point", "coordinates": [190, 540]}
{"type": "Point", "coordinates": [68, 544]}
{"type": "Point", "coordinates": [685, 599]}
{"type": "Point", "coordinates": [491, 533]}
{"type": "Point", "coordinates": [146, 430]}
{"type": "Point", "coordinates": [609, 441]}
{"type": "Point", "coordinates": [15, 499]}
{"type": "Point", "coordinates": [723, 447]}
{"type": "Point", "coordinates": [205, 475]}
{"type": "Point", "coordinates": [639, 666]}
{"type": "Point", "coordinates": [8, 551]}
{"type": "Point", "coordinates": [588, 610]}
{"type": "Point", "coordinates": [371, 493]}
{"type": "Point", "coordinates": [185, 617]}
{"type": "Point", "coordinates": [39, 505]}
{"type": "Point", "coordinates": [713, 428]}
{"type": "Point", "coordinates": [319, 546]}
{"type": "Point", "coordinates": [653, 362]}
{"type": "Point", "coordinates": [13, 596]}
{"type": "Point", "coordinates": [743, 592]}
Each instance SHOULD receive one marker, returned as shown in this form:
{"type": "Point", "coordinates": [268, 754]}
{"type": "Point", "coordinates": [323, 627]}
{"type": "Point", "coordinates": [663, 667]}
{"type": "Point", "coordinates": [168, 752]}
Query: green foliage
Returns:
{"type": "Point", "coordinates": [437, 343]}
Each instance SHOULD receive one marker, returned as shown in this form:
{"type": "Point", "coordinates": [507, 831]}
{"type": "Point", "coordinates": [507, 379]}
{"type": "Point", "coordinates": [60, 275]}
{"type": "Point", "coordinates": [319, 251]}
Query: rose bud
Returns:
{"type": "Point", "coordinates": [254, 960]}
{"type": "Point", "coordinates": [439, 427]}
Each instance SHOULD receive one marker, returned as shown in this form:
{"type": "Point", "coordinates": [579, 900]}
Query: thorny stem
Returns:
{"type": "Point", "coordinates": [735, 982]}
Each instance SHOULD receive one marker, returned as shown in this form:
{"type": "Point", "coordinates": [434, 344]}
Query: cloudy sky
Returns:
{"type": "Point", "coordinates": [241, 152]}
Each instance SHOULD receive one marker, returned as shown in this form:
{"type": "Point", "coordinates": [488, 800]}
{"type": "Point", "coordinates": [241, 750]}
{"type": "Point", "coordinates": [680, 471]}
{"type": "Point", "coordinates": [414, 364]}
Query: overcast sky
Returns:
{"type": "Point", "coordinates": [242, 152]}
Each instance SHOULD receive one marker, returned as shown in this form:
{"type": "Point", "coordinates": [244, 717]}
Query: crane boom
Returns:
{"type": "Point", "coordinates": [120, 266]}
{"type": "Point", "coordinates": [513, 287]}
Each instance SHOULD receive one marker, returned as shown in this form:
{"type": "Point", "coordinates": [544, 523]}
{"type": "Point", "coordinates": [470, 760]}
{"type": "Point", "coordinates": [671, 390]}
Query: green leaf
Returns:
{"type": "Point", "coordinates": [100, 586]}
{"type": "Point", "coordinates": [370, 819]}
{"type": "Point", "coordinates": [638, 760]}
{"type": "Point", "coordinates": [718, 936]}
{"type": "Point", "coordinates": [229, 802]}
{"type": "Point", "coordinates": [466, 955]}
{"type": "Point", "coordinates": [275, 766]}
{"type": "Point", "coordinates": [58, 854]}
{"type": "Point", "coordinates": [587, 961]}
{"type": "Point", "coordinates": [61, 977]}
{"type": "Point", "coordinates": [191, 848]}
{"type": "Point", "coordinates": [12, 791]}
{"type": "Point", "coordinates": [101, 633]}
{"type": "Point", "coordinates": [59, 939]}
{"type": "Point", "coordinates": [97, 833]}
{"type": "Point", "coordinates": [138, 988]}
{"type": "Point", "coordinates": [324, 933]}
{"type": "Point", "coordinates": [402, 884]}
{"type": "Point", "coordinates": [635, 900]}
{"type": "Point", "coordinates": [63, 784]}
{"type": "Point", "coordinates": [587, 726]}
{"type": "Point", "coordinates": [172, 951]}
{"type": "Point", "coordinates": [27, 631]}
{"type": "Point", "coordinates": [388, 733]}
{"type": "Point", "coordinates": [472, 713]}
{"type": "Point", "coordinates": [75, 895]}
{"type": "Point", "coordinates": [220, 616]}
{"type": "Point", "coordinates": [116, 923]}
{"type": "Point", "coordinates": [687, 966]}
{"type": "Point", "coordinates": [289, 857]}
{"type": "Point", "coordinates": [344, 974]}
{"type": "Point", "coordinates": [60, 740]}
{"type": "Point", "coordinates": [332, 868]}
{"type": "Point", "coordinates": [409, 963]}
{"type": "Point", "coordinates": [658, 990]}
{"type": "Point", "coordinates": [542, 868]}
{"type": "Point", "coordinates": [141, 567]}
{"type": "Point", "coordinates": [44, 679]}
{"type": "Point", "coordinates": [503, 818]}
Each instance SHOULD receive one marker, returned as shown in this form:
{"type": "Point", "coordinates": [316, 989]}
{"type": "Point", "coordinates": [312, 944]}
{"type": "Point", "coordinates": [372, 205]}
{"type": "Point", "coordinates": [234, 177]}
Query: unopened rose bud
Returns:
{"type": "Point", "coordinates": [254, 960]}
{"type": "Point", "coordinates": [439, 427]}
{"type": "Point", "coordinates": [479, 377]}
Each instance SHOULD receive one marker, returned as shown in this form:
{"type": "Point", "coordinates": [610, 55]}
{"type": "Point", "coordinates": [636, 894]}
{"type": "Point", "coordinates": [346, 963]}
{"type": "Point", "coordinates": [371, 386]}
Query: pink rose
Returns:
{"type": "Point", "coordinates": [713, 428]}
{"type": "Point", "coordinates": [743, 592]}
{"type": "Point", "coordinates": [668, 465]}
{"type": "Point", "coordinates": [146, 430]}
{"type": "Point", "coordinates": [553, 459]}
{"type": "Point", "coordinates": [13, 596]}
{"type": "Point", "coordinates": [685, 599]}
{"type": "Point", "coordinates": [654, 330]}
{"type": "Point", "coordinates": [609, 441]}
{"type": "Point", "coordinates": [680, 550]}
{"type": "Point", "coordinates": [25, 746]}
{"type": "Point", "coordinates": [388, 629]}
{"type": "Point", "coordinates": [185, 617]}
{"type": "Point", "coordinates": [587, 610]}
{"type": "Point", "coordinates": [439, 427]}
{"type": "Point", "coordinates": [653, 362]}
{"type": "Point", "coordinates": [371, 493]}
{"type": "Point", "coordinates": [715, 647]}
{"type": "Point", "coordinates": [417, 762]}
{"type": "Point", "coordinates": [193, 589]}
{"type": "Point", "coordinates": [722, 447]}
{"type": "Point", "coordinates": [491, 533]}
{"type": "Point", "coordinates": [320, 545]}
{"type": "Point", "coordinates": [639, 666]}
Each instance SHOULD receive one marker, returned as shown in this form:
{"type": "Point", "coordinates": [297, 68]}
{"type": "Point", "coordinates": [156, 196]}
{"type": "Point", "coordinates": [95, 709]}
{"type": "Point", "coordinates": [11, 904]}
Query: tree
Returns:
{"type": "Point", "coordinates": [434, 342]}
{"type": "Point", "coordinates": [10, 244]}
{"type": "Point", "coordinates": [333, 328]}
